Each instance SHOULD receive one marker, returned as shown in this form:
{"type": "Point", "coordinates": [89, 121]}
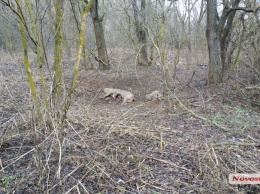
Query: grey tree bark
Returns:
{"type": "Point", "coordinates": [140, 32]}
{"type": "Point", "coordinates": [218, 36]}
{"type": "Point", "coordinates": [100, 38]}
{"type": "Point", "coordinates": [215, 74]}
{"type": "Point", "coordinates": [224, 29]}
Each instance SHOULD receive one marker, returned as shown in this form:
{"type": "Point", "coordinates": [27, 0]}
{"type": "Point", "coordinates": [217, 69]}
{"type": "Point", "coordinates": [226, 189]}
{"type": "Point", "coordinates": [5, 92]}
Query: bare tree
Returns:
{"type": "Point", "coordinates": [215, 64]}
{"type": "Point", "coordinates": [58, 38]}
{"type": "Point", "coordinates": [218, 33]}
{"type": "Point", "coordinates": [100, 38]}
{"type": "Point", "coordinates": [139, 21]}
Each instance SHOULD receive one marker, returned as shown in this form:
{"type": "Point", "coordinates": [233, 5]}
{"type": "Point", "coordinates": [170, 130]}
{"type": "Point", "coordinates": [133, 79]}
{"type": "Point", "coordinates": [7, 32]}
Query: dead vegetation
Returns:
{"type": "Point", "coordinates": [175, 145]}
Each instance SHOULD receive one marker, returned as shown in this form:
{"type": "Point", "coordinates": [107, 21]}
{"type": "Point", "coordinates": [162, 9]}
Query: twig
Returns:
{"type": "Point", "coordinates": [84, 188]}
{"type": "Point", "coordinates": [100, 61]}
{"type": "Point", "coordinates": [236, 144]}
{"type": "Point", "coordinates": [190, 80]}
{"type": "Point", "coordinates": [146, 183]}
{"type": "Point", "coordinates": [253, 87]}
{"type": "Point", "coordinates": [68, 175]}
{"type": "Point", "coordinates": [170, 163]}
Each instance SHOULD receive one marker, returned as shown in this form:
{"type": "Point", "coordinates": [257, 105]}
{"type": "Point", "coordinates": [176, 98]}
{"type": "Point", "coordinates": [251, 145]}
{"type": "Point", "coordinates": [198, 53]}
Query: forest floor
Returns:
{"type": "Point", "coordinates": [187, 143]}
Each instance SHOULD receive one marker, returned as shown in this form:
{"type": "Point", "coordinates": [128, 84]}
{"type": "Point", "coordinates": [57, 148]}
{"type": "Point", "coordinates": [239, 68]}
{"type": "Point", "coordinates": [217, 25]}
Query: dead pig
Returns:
{"type": "Point", "coordinates": [155, 95]}
{"type": "Point", "coordinates": [117, 93]}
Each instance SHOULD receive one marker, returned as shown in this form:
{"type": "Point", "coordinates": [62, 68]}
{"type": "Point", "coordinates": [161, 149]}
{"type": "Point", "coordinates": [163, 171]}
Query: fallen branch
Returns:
{"type": "Point", "coordinates": [200, 117]}
{"type": "Point", "coordinates": [253, 87]}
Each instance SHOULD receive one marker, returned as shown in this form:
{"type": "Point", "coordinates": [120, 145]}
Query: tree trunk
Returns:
{"type": "Point", "coordinates": [215, 74]}
{"type": "Point", "coordinates": [224, 29]}
{"type": "Point", "coordinates": [26, 58]}
{"type": "Point", "coordinates": [38, 47]}
{"type": "Point", "coordinates": [189, 35]}
{"type": "Point", "coordinates": [100, 38]}
{"type": "Point", "coordinates": [82, 30]}
{"type": "Point", "coordinates": [167, 77]}
{"type": "Point", "coordinates": [141, 33]}
{"type": "Point", "coordinates": [58, 76]}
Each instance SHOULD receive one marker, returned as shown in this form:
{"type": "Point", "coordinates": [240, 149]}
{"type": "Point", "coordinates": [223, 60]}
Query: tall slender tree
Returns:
{"type": "Point", "coordinates": [215, 64]}
{"type": "Point", "coordinates": [139, 21]}
{"type": "Point", "coordinates": [58, 38]}
{"type": "Point", "coordinates": [100, 37]}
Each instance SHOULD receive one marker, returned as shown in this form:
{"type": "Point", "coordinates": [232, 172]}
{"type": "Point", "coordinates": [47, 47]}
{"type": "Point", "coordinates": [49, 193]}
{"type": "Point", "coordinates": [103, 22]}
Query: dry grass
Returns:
{"type": "Point", "coordinates": [142, 147]}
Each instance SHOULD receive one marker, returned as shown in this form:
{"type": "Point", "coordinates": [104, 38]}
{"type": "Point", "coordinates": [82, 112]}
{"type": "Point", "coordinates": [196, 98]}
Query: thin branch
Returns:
{"type": "Point", "coordinates": [245, 9]}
